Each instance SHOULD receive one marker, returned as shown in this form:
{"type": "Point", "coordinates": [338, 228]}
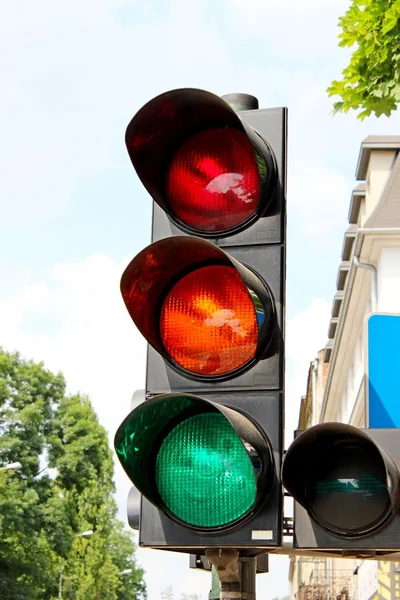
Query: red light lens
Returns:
{"type": "Point", "coordinates": [208, 323]}
{"type": "Point", "coordinates": [213, 183]}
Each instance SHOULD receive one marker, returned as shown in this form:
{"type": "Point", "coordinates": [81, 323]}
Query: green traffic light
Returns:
{"type": "Point", "coordinates": [198, 463]}
{"type": "Point", "coordinates": [203, 473]}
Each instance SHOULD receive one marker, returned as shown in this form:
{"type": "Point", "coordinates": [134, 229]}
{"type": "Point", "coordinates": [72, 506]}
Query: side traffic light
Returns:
{"type": "Point", "coordinates": [345, 482]}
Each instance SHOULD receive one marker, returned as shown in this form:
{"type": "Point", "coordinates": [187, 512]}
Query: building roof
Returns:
{"type": "Point", "coordinates": [387, 212]}
{"type": "Point", "coordinates": [343, 271]}
{"type": "Point", "coordinates": [374, 142]}
{"type": "Point", "coordinates": [385, 215]}
{"type": "Point", "coordinates": [356, 196]}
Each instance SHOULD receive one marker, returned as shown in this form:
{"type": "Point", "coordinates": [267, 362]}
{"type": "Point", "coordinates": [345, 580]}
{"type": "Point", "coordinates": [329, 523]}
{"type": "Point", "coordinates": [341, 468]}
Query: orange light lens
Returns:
{"type": "Point", "coordinates": [208, 323]}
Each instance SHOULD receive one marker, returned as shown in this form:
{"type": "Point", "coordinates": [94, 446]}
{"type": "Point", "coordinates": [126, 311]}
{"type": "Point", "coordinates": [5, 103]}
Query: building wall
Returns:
{"type": "Point", "coordinates": [379, 167]}
{"type": "Point", "coordinates": [389, 280]}
{"type": "Point", "coordinates": [335, 384]}
{"type": "Point", "coordinates": [366, 580]}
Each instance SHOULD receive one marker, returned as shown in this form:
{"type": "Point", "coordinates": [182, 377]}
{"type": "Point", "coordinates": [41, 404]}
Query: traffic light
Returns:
{"type": "Point", "coordinates": [208, 295]}
{"type": "Point", "coordinates": [345, 483]}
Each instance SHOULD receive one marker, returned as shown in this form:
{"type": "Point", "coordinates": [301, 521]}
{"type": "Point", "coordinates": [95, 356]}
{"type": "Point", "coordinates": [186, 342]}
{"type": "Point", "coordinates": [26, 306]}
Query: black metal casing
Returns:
{"type": "Point", "coordinates": [309, 535]}
{"type": "Point", "coordinates": [157, 530]}
{"type": "Point", "coordinates": [259, 392]}
{"type": "Point", "coordinates": [260, 247]}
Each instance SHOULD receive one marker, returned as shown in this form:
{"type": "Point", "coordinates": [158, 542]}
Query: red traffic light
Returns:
{"type": "Point", "coordinates": [213, 182]}
{"type": "Point", "coordinates": [207, 314]}
{"type": "Point", "coordinates": [211, 174]}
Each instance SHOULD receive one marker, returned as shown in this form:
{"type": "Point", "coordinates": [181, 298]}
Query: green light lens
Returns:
{"type": "Point", "coordinates": [203, 473]}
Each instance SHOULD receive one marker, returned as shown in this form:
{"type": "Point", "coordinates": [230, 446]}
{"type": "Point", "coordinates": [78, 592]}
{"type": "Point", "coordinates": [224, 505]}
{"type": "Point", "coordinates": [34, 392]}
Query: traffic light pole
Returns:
{"type": "Point", "coordinates": [233, 578]}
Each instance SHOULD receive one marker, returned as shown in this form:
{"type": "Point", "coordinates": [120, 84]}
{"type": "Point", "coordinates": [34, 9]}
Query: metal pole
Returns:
{"type": "Point", "coordinates": [248, 577]}
{"type": "Point", "coordinates": [60, 583]}
{"type": "Point", "coordinates": [233, 578]}
{"type": "Point", "coordinates": [215, 586]}
{"type": "Point", "coordinates": [226, 564]}
{"type": "Point", "coordinates": [241, 101]}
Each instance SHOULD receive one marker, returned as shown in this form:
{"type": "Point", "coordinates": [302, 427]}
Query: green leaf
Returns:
{"type": "Point", "coordinates": [396, 92]}
{"type": "Point", "coordinates": [370, 79]}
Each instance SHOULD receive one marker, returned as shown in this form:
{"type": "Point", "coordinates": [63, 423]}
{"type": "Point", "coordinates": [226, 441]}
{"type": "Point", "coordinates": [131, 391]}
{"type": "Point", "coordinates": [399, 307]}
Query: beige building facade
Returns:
{"type": "Point", "coordinates": [368, 280]}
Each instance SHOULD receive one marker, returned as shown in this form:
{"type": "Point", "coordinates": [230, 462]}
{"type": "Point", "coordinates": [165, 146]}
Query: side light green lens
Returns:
{"type": "Point", "coordinates": [204, 474]}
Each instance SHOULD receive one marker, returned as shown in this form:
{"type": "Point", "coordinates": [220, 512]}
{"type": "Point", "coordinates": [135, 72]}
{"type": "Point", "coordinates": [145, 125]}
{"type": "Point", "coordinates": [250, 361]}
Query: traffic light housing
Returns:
{"type": "Point", "coordinates": [346, 486]}
{"type": "Point", "coordinates": [210, 172]}
{"type": "Point", "coordinates": [180, 291]}
{"type": "Point", "coordinates": [208, 295]}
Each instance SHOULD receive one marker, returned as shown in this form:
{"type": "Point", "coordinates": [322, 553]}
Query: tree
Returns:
{"type": "Point", "coordinates": [28, 546]}
{"type": "Point", "coordinates": [41, 516]}
{"type": "Point", "coordinates": [122, 551]}
{"type": "Point", "coordinates": [371, 81]}
{"type": "Point", "coordinates": [167, 593]}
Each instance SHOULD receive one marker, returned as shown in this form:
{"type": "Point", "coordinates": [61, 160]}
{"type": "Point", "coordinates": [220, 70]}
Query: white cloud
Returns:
{"type": "Point", "coordinates": [93, 64]}
{"type": "Point", "coordinates": [64, 111]}
{"type": "Point", "coordinates": [298, 32]}
{"type": "Point", "coordinates": [307, 332]}
{"type": "Point", "coordinates": [75, 321]}
{"type": "Point", "coordinates": [318, 200]}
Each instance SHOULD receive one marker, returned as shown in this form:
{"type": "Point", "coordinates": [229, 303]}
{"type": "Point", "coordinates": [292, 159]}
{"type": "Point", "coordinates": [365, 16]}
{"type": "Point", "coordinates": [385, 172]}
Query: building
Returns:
{"type": "Point", "coordinates": [368, 280]}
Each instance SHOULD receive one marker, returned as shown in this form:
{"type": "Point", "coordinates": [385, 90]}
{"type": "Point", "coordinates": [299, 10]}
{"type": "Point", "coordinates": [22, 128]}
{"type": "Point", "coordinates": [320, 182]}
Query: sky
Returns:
{"type": "Point", "coordinates": [73, 213]}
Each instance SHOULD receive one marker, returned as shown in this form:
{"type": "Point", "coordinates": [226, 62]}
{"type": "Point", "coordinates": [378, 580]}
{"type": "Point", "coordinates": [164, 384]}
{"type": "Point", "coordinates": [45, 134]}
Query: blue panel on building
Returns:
{"type": "Point", "coordinates": [383, 370]}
